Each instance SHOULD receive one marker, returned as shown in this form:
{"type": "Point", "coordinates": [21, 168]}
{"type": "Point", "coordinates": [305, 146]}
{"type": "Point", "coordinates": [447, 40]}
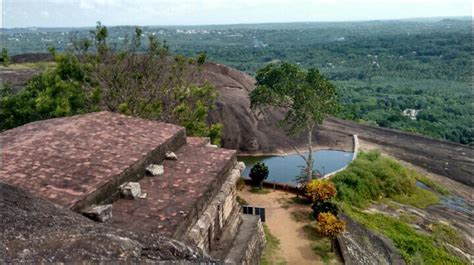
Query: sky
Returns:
{"type": "Point", "coordinates": [85, 13]}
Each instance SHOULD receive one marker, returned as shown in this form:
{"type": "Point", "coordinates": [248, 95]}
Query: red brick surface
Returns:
{"type": "Point", "coordinates": [66, 159]}
{"type": "Point", "coordinates": [173, 196]}
{"type": "Point", "coordinates": [197, 141]}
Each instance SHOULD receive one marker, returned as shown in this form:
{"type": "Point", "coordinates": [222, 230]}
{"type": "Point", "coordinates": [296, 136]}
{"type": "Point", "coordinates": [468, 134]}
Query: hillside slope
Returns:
{"type": "Point", "coordinates": [251, 135]}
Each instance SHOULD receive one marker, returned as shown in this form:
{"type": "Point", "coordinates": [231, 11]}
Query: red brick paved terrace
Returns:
{"type": "Point", "coordinates": [74, 160]}
{"type": "Point", "coordinates": [176, 199]}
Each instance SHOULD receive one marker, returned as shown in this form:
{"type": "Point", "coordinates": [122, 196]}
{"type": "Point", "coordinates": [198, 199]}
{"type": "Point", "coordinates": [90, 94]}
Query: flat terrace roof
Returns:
{"type": "Point", "coordinates": [66, 159]}
{"type": "Point", "coordinates": [178, 197]}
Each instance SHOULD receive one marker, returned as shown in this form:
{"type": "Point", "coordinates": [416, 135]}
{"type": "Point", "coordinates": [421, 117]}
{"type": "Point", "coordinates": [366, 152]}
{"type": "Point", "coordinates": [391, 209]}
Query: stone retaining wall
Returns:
{"type": "Point", "coordinates": [248, 246]}
{"type": "Point", "coordinates": [210, 224]}
{"type": "Point", "coordinates": [355, 140]}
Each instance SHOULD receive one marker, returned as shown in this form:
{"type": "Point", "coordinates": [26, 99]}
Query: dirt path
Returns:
{"type": "Point", "coordinates": [295, 247]}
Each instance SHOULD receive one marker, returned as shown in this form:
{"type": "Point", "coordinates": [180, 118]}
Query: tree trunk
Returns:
{"type": "Point", "coordinates": [310, 160]}
{"type": "Point", "coordinates": [333, 241]}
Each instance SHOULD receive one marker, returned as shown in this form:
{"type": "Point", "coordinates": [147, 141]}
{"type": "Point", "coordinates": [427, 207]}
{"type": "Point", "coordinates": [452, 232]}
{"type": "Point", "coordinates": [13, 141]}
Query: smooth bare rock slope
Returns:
{"type": "Point", "coordinates": [246, 132]}
{"type": "Point", "coordinates": [35, 230]}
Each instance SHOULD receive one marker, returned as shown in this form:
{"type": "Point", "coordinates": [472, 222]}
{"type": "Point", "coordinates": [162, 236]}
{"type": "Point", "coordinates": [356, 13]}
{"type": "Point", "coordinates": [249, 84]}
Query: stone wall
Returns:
{"type": "Point", "coordinates": [248, 246]}
{"type": "Point", "coordinates": [220, 213]}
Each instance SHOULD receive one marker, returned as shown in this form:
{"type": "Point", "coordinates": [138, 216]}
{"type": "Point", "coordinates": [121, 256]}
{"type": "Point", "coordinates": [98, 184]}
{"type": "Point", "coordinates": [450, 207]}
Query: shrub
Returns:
{"type": "Point", "coordinates": [320, 190]}
{"type": "Point", "coordinates": [259, 173]}
{"type": "Point", "coordinates": [324, 207]}
{"type": "Point", "coordinates": [330, 226]}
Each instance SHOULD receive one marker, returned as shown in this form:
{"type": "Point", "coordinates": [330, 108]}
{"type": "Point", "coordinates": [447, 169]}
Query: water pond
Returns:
{"type": "Point", "coordinates": [284, 169]}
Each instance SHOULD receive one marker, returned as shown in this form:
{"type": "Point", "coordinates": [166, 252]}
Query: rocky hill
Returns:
{"type": "Point", "coordinates": [250, 134]}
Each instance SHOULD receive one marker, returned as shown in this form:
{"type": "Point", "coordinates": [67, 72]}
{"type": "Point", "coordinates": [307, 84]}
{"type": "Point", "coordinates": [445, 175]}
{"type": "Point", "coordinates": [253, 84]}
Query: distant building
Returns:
{"type": "Point", "coordinates": [411, 113]}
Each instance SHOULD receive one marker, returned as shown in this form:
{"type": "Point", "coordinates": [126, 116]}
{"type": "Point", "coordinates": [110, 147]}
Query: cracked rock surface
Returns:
{"type": "Point", "coordinates": [35, 230]}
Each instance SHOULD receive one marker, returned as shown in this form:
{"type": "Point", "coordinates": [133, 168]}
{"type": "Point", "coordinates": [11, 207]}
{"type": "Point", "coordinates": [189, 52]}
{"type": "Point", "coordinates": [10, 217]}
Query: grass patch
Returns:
{"type": "Point", "coordinates": [372, 177]}
{"type": "Point", "coordinates": [444, 233]}
{"type": "Point", "coordinates": [272, 249]}
{"type": "Point", "coordinates": [415, 247]}
{"type": "Point", "coordinates": [432, 184]}
{"type": "Point", "coordinates": [257, 190]}
{"type": "Point", "coordinates": [302, 215]}
{"type": "Point", "coordinates": [321, 245]}
{"type": "Point", "coordinates": [420, 198]}
{"type": "Point", "coordinates": [241, 201]}
{"type": "Point", "coordinates": [300, 200]}
{"type": "Point", "coordinates": [240, 184]}
{"type": "Point", "coordinates": [284, 202]}
{"type": "Point", "coordinates": [29, 66]}
{"type": "Point", "coordinates": [407, 218]}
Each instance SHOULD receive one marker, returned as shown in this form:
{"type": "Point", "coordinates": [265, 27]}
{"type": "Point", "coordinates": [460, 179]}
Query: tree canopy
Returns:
{"type": "Point", "coordinates": [92, 76]}
{"type": "Point", "coordinates": [306, 97]}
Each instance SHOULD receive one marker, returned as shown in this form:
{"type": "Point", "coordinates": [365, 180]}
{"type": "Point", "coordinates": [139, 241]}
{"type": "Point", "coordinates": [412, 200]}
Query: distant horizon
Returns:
{"type": "Point", "coordinates": [84, 13]}
{"type": "Point", "coordinates": [408, 19]}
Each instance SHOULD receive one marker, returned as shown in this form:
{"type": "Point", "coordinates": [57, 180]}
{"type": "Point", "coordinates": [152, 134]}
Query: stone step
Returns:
{"type": "Point", "coordinates": [249, 242]}
{"type": "Point", "coordinates": [176, 199]}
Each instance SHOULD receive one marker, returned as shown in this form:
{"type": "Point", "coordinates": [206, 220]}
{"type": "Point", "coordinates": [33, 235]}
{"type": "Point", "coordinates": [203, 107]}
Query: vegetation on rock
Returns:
{"type": "Point", "coordinates": [92, 76]}
{"type": "Point", "coordinates": [373, 177]}
{"type": "Point", "coordinates": [306, 96]}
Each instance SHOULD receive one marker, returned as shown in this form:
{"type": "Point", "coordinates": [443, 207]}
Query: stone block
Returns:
{"type": "Point", "coordinates": [131, 190]}
{"type": "Point", "coordinates": [171, 156]}
{"type": "Point", "coordinates": [155, 170]}
{"type": "Point", "coordinates": [100, 213]}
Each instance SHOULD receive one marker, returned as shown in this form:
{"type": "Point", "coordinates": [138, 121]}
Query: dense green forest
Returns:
{"type": "Point", "coordinates": [380, 68]}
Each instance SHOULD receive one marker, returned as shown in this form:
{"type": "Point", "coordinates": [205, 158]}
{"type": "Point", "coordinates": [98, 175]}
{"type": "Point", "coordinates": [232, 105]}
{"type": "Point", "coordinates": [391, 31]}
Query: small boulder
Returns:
{"type": "Point", "coordinates": [171, 156]}
{"type": "Point", "coordinates": [155, 170]}
{"type": "Point", "coordinates": [240, 166]}
{"type": "Point", "coordinates": [131, 190]}
{"type": "Point", "coordinates": [99, 213]}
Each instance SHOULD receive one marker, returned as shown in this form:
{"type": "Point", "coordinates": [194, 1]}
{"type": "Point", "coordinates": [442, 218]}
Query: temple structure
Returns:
{"type": "Point", "coordinates": [91, 163]}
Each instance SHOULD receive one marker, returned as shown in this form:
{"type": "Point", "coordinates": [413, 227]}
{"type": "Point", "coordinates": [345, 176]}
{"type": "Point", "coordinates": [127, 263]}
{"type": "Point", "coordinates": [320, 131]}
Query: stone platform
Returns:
{"type": "Point", "coordinates": [70, 161]}
{"type": "Point", "coordinates": [176, 199]}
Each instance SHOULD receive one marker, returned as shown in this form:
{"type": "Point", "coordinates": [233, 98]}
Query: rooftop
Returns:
{"type": "Point", "coordinates": [65, 160]}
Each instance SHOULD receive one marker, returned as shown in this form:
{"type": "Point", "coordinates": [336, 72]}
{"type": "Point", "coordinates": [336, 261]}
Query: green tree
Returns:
{"type": "Point", "coordinates": [5, 59]}
{"type": "Point", "coordinates": [259, 173]}
{"type": "Point", "coordinates": [54, 93]}
{"type": "Point", "coordinates": [91, 75]}
{"type": "Point", "coordinates": [307, 97]}
{"type": "Point", "coordinates": [152, 85]}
